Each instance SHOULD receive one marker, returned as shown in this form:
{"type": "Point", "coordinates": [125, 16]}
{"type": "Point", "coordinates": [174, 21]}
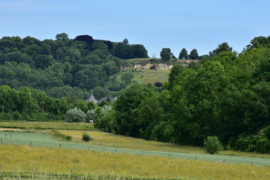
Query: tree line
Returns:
{"type": "Point", "coordinates": [225, 95]}
{"type": "Point", "coordinates": [166, 54]}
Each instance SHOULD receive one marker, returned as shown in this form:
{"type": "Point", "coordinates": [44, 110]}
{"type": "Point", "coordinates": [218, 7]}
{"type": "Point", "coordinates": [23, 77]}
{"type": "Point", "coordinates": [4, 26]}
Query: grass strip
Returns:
{"type": "Point", "coordinates": [72, 176]}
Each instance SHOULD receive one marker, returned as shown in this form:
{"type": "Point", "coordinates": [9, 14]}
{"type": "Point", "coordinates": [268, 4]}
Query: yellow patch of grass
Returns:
{"type": "Point", "coordinates": [25, 158]}
{"type": "Point", "coordinates": [113, 140]}
{"type": "Point", "coordinates": [118, 141]}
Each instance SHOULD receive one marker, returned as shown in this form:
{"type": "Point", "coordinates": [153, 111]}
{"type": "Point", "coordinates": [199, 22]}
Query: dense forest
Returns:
{"type": "Point", "coordinates": [64, 66]}
{"type": "Point", "coordinates": [225, 95]}
{"type": "Point", "coordinates": [41, 80]}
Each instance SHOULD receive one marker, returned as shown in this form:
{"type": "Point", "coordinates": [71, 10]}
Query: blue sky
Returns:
{"type": "Point", "coordinates": [175, 24]}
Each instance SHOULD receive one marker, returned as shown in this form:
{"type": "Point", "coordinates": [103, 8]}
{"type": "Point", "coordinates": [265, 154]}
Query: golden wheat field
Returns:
{"type": "Point", "coordinates": [25, 158]}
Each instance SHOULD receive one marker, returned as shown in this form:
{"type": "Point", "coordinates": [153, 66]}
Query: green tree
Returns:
{"type": "Point", "coordinates": [75, 115]}
{"type": "Point", "coordinates": [127, 77]}
{"type": "Point", "coordinates": [99, 45]}
{"type": "Point", "coordinates": [126, 114]}
{"type": "Point", "coordinates": [175, 71]}
{"type": "Point", "coordinates": [100, 92]}
{"type": "Point", "coordinates": [165, 54]}
{"type": "Point", "coordinates": [150, 112]}
{"type": "Point", "coordinates": [33, 50]}
{"type": "Point", "coordinates": [125, 41]}
{"type": "Point", "coordinates": [62, 36]}
{"type": "Point", "coordinates": [123, 51]}
{"type": "Point", "coordinates": [99, 114]}
{"type": "Point", "coordinates": [139, 51]}
{"type": "Point", "coordinates": [221, 47]}
{"type": "Point", "coordinates": [183, 54]}
{"type": "Point", "coordinates": [42, 61]}
{"type": "Point", "coordinates": [194, 54]}
{"type": "Point", "coordinates": [197, 99]}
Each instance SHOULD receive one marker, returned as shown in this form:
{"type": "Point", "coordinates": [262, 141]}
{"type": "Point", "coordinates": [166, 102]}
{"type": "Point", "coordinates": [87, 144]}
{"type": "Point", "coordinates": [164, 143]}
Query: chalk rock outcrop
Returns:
{"type": "Point", "coordinates": [157, 66]}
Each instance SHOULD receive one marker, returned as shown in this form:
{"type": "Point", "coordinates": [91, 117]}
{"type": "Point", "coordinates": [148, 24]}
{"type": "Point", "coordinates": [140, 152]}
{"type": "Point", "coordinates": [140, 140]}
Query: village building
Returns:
{"type": "Point", "coordinates": [93, 99]}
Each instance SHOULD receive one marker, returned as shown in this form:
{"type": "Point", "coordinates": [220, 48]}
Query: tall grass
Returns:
{"type": "Point", "coordinates": [25, 158]}
{"type": "Point", "coordinates": [113, 140]}
{"type": "Point", "coordinates": [48, 125]}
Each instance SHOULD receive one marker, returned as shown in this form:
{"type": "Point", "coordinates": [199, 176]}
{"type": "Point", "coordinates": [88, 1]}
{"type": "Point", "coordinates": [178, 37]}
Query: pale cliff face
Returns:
{"type": "Point", "coordinates": [158, 66]}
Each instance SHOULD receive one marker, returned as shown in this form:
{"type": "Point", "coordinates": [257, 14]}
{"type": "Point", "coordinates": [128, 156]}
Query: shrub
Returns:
{"type": "Point", "coordinates": [75, 115]}
{"type": "Point", "coordinates": [263, 145]}
{"type": "Point", "coordinates": [267, 132]}
{"type": "Point", "coordinates": [246, 143]}
{"type": "Point", "coordinates": [68, 137]}
{"type": "Point", "coordinates": [106, 108]}
{"type": "Point", "coordinates": [90, 115]}
{"type": "Point", "coordinates": [86, 137]}
{"type": "Point", "coordinates": [228, 148]}
{"type": "Point", "coordinates": [212, 144]}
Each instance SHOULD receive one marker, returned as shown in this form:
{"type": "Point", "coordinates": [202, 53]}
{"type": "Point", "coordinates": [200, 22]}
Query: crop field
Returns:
{"type": "Point", "coordinates": [62, 160]}
{"type": "Point", "coordinates": [47, 125]}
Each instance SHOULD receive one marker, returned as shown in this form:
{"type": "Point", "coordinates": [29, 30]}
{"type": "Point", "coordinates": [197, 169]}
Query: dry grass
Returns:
{"type": "Point", "coordinates": [113, 140]}
{"type": "Point", "coordinates": [24, 158]}
{"type": "Point", "coordinates": [118, 141]}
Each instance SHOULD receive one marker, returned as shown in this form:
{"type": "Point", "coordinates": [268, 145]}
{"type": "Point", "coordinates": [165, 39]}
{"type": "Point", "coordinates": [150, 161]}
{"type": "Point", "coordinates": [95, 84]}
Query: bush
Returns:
{"type": "Point", "coordinates": [263, 145]}
{"type": "Point", "coordinates": [75, 115]}
{"type": "Point", "coordinates": [90, 115]}
{"type": "Point", "coordinates": [212, 144]}
{"type": "Point", "coordinates": [68, 137]}
{"type": "Point", "coordinates": [228, 148]}
{"type": "Point", "coordinates": [86, 137]}
{"type": "Point", "coordinates": [267, 132]}
{"type": "Point", "coordinates": [106, 108]}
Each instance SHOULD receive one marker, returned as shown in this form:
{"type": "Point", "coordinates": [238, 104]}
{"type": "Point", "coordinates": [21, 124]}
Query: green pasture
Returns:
{"type": "Point", "coordinates": [44, 140]}
{"type": "Point", "coordinates": [151, 76]}
{"type": "Point", "coordinates": [48, 125]}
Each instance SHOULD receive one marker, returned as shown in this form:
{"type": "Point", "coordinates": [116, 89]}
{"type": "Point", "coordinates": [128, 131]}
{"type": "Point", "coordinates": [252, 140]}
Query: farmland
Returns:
{"type": "Point", "coordinates": [114, 156]}
{"type": "Point", "coordinates": [44, 140]}
{"type": "Point", "coordinates": [28, 159]}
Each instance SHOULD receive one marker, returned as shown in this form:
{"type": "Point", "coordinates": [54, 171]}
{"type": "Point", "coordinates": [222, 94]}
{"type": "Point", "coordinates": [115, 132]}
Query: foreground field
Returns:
{"type": "Point", "coordinates": [48, 125]}
{"type": "Point", "coordinates": [112, 140]}
{"type": "Point", "coordinates": [25, 158]}
{"type": "Point", "coordinates": [45, 140]}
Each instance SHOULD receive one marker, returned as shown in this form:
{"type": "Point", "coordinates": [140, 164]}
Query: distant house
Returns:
{"type": "Point", "coordinates": [93, 99]}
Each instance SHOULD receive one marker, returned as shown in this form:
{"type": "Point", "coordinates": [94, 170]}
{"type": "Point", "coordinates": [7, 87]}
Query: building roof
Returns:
{"type": "Point", "coordinates": [91, 98]}
{"type": "Point", "coordinates": [105, 99]}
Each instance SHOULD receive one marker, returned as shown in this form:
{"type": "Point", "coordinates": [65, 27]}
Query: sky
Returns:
{"type": "Point", "coordinates": [157, 24]}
